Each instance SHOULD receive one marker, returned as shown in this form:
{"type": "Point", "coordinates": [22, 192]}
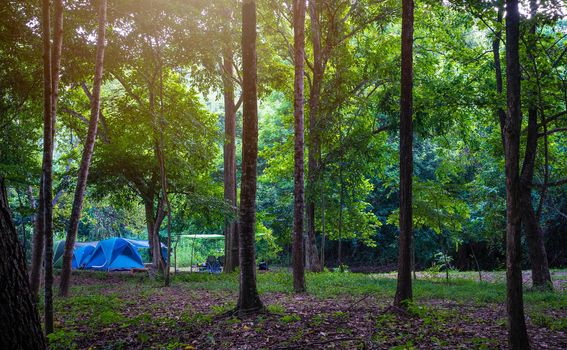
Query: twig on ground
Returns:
{"type": "Point", "coordinates": [321, 342]}
{"type": "Point", "coordinates": [358, 301]}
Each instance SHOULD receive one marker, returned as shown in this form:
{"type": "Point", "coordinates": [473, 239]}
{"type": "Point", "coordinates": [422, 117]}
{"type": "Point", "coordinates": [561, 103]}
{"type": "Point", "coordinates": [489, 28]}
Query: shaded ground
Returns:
{"type": "Point", "coordinates": [342, 311]}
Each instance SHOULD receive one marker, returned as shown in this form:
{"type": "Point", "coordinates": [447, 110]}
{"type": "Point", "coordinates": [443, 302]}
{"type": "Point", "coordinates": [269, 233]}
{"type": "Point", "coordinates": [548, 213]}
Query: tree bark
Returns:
{"type": "Point", "coordinates": [51, 64]}
{"type": "Point", "coordinates": [230, 229]}
{"type": "Point", "coordinates": [312, 258]}
{"type": "Point", "coordinates": [248, 300]}
{"type": "Point", "coordinates": [517, 334]}
{"type": "Point", "coordinates": [19, 319]}
{"type": "Point", "coordinates": [299, 190]}
{"type": "Point", "coordinates": [87, 155]}
{"type": "Point", "coordinates": [404, 288]}
{"type": "Point", "coordinates": [541, 278]}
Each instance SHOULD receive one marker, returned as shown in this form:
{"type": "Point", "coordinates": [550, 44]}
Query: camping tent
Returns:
{"type": "Point", "coordinates": [81, 253]}
{"type": "Point", "coordinates": [114, 254]}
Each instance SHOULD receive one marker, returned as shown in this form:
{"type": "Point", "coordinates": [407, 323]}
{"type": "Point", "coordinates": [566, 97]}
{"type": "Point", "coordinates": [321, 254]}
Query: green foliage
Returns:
{"type": "Point", "coordinates": [290, 318]}
{"type": "Point", "coordinates": [63, 340]}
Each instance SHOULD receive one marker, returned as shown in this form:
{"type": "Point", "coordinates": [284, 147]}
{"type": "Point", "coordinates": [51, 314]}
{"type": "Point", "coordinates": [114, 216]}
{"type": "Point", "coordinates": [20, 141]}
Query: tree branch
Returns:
{"type": "Point", "coordinates": [552, 131]}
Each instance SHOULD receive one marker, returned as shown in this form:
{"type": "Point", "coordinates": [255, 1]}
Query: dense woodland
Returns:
{"type": "Point", "coordinates": [385, 159]}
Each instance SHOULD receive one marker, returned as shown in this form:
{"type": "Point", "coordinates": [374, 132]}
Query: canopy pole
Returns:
{"type": "Point", "coordinates": [192, 253]}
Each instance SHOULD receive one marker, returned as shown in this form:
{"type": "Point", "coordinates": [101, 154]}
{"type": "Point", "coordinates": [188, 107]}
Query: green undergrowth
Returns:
{"type": "Point", "coordinates": [328, 284]}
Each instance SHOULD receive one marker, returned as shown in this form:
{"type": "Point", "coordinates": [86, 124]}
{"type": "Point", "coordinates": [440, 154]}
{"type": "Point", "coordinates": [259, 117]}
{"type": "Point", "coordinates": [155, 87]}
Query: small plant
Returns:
{"type": "Point", "coordinates": [61, 339]}
{"type": "Point", "coordinates": [276, 309]}
{"type": "Point", "coordinates": [221, 309]}
{"type": "Point", "coordinates": [290, 318]}
{"type": "Point", "coordinates": [317, 320]}
{"type": "Point", "coordinates": [108, 317]}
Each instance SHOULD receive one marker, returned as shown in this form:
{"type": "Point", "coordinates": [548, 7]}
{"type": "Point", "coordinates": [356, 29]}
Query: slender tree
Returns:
{"type": "Point", "coordinates": [19, 320]}
{"type": "Point", "coordinates": [517, 333]}
{"type": "Point", "coordinates": [51, 67]}
{"type": "Point", "coordinates": [299, 190]}
{"type": "Point", "coordinates": [230, 229]}
{"type": "Point", "coordinates": [319, 64]}
{"type": "Point", "coordinates": [87, 154]}
{"type": "Point", "coordinates": [248, 299]}
{"type": "Point", "coordinates": [541, 278]}
{"type": "Point", "coordinates": [404, 288]}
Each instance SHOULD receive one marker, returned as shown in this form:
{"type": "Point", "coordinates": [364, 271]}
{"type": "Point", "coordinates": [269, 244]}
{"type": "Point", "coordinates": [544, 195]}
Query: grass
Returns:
{"type": "Point", "coordinates": [329, 284]}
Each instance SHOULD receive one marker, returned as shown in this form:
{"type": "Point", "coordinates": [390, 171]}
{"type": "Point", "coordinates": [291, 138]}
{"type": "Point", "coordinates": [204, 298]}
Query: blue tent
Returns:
{"type": "Point", "coordinates": [114, 254]}
{"type": "Point", "coordinates": [81, 253]}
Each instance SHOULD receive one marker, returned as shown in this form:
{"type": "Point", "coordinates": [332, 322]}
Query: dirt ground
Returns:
{"type": "Point", "coordinates": [114, 313]}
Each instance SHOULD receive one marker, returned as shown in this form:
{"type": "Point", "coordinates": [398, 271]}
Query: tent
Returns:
{"type": "Point", "coordinates": [114, 254]}
{"type": "Point", "coordinates": [81, 253]}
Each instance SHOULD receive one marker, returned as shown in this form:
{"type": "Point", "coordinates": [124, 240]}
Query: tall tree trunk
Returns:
{"type": "Point", "coordinates": [19, 319]}
{"type": "Point", "coordinates": [87, 155]}
{"type": "Point", "coordinates": [517, 334]}
{"type": "Point", "coordinates": [299, 190]}
{"type": "Point", "coordinates": [230, 229]}
{"type": "Point", "coordinates": [163, 172]}
{"type": "Point", "coordinates": [248, 299]}
{"type": "Point", "coordinates": [51, 63]}
{"type": "Point", "coordinates": [404, 288]}
{"type": "Point", "coordinates": [541, 278]}
{"type": "Point", "coordinates": [312, 258]}
{"type": "Point", "coordinates": [154, 241]}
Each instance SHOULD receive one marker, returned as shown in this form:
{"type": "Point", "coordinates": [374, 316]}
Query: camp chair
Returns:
{"type": "Point", "coordinates": [213, 265]}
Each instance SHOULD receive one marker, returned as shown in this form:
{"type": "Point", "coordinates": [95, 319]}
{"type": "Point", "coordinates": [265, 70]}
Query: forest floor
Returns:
{"type": "Point", "coordinates": [341, 311]}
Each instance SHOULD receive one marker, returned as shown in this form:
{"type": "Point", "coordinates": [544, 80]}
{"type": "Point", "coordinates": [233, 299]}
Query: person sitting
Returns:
{"type": "Point", "coordinates": [213, 265]}
{"type": "Point", "coordinates": [263, 266]}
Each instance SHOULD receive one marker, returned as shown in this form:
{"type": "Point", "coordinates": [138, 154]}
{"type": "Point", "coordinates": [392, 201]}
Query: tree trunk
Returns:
{"type": "Point", "coordinates": [230, 232]}
{"type": "Point", "coordinates": [404, 288]}
{"type": "Point", "coordinates": [157, 258]}
{"type": "Point", "coordinates": [153, 222]}
{"type": "Point", "coordinates": [541, 278]}
{"type": "Point", "coordinates": [38, 246]}
{"type": "Point", "coordinates": [51, 63]}
{"type": "Point", "coordinates": [312, 258]}
{"type": "Point", "coordinates": [299, 190]}
{"type": "Point", "coordinates": [19, 319]}
{"type": "Point", "coordinates": [87, 155]}
{"type": "Point", "coordinates": [248, 299]}
{"type": "Point", "coordinates": [154, 242]}
{"type": "Point", "coordinates": [163, 173]}
{"type": "Point", "coordinates": [517, 334]}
